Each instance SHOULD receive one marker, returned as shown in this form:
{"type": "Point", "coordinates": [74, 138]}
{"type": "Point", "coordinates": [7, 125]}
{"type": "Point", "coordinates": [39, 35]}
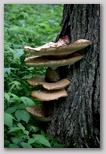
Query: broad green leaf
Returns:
{"type": "Point", "coordinates": [14, 98]}
{"type": "Point", "coordinates": [27, 76]}
{"type": "Point", "coordinates": [52, 22]}
{"type": "Point", "coordinates": [22, 115]}
{"type": "Point", "coordinates": [31, 68]}
{"type": "Point", "coordinates": [23, 129]}
{"type": "Point", "coordinates": [14, 130]}
{"type": "Point", "coordinates": [42, 25]}
{"type": "Point", "coordinates": [25, 145]}
{"type": "Point", "coordinates": [12, 146]}
{"type": "Point", "coordinates": [26, 132]}
{"type": "Point", "coordinates": [21, 126]}
{"type": "Point", "coordinates": [14, 28]}
{"type": "Point", "coordinates": [27, 101]}
{"type": "Point", "coordinates": [16, 139]}
{"type": "Point", "coordinates": [7, 96]}
{"type": "Point", "coordinates": [8, 119]}
{"type": "Point", "coordinates": [11, 109]}
{"type": "Point", "coordinates": [21, 106]}
{"type": "Point", "coordinates": [32, 140]}
{"type": "Point", "coordinates": [24, 14]}
{"type": "Point", "coordinates": [37, 145]}
{"type": "Point", "coordinates": [18, 54]}
{"type": "Point", "coordinates": [7, 70]}
{"type": "Point", "coordinates": [40, 139]}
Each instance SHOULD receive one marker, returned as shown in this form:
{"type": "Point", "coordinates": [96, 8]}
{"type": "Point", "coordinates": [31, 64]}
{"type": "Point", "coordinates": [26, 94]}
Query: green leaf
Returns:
{"type": "Point", "coordinates": [6, 143]}
{"type": "Point", "coordinates": [21, 126]}
{"type": "Point", "coordinates": [52, 22]}
{"type": "Point", "coordinates": [42, 25]}
{"type": "Point", "coordinates": [14, 130]}
{"type": "Point", "coordinates": [34, 129]}
{"type": "Point", "coordinates": [21, 106]}
{"type": "Point", "coordinates": [22, 115]}
{"type": "Point", "coordinates": [14, 98]}
{"type": "Point", "coordinates": [12, 146]}
{"type": "Point", "coordinates": [7, 70]}
{"type": "Point", "coordinates": [13, 28]}
{"type": "Point", "coordinates": [27, 101]}
{"type": "Point", "coordinates": [18, 54]}
{"type": "Point", "coordinates": [7, 96]}
{"type": "Point", "coordinates": [24, 14]}
{"type": "Point", "coordinates": [32, 140]}
{"type": "Point", "coordinates": [25, 145]}
{"type": "Point", "coordinates": [26, 132]}
{"type": "Point", "coordinates": [40, 139]}
{"type": "Point", "coordinates": [17, 139]}
{"type": "Point", "coordinates": [27, 76]}
{"type": "Point", "coordinates": [42, 132]}
{"type": "Point", "coordinates": [8, 119]}
{"type": "Point", "coordinates": [11, 109]}
{"type": "Point", "coordinates": [23, 129]}
{"type": "Point", "coordinates": [15, 84]}
{"type": "Point", "coordinates": [37, 145]}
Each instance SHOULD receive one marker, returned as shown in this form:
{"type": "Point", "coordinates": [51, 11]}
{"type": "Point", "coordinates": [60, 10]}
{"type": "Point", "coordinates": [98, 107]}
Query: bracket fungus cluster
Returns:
{"type": "Point", "coordinates": [53, 56]}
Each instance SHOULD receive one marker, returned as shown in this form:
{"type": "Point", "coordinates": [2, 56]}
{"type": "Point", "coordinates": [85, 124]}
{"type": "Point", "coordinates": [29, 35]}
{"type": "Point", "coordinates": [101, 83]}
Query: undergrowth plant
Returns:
{"type": "Point", "coordinates": [33, 25]}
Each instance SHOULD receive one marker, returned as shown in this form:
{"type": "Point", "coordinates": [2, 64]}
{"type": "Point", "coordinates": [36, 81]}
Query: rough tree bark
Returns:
{"type": "Point", "coordinates": [76, 119]}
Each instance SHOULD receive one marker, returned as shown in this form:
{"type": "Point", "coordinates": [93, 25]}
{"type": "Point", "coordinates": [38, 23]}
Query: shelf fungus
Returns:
{"type": "Point", "coordinates": [52, 63]}
{"type": "Point", "coordinates": [49, 95]}
{"type": "Point", "coordinates": [63, 83]}
{"type": "Point", "coordinates": [39, 112]}
{"type": "Point", "coordinates": [54, 56]}
{"type": "Point", "coordinates": [61, 47]}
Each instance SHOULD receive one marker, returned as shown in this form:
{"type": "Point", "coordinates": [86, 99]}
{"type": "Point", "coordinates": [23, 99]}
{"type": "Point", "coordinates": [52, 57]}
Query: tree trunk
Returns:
{"type": "Point", "coordinates": [76, 118]}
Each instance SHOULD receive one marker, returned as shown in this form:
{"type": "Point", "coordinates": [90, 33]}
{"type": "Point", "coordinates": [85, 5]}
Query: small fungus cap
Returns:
{"type": "Point", "coordinates": [48, 95]}
{"type": "Point", "coordinates": [63, 83]}
{"type": "Point", "coordinates": [38, 112]}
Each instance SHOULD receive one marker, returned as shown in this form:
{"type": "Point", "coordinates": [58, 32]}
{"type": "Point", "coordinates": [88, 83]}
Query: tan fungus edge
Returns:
{"type": "Point", "coordinates": [47, 95]}
{"type": "Point", "coordinates": [61, 50]}
{"type": "Point", "coordinates": [63, 83]}
{"type": "Point", "coordinates": [45, 62]}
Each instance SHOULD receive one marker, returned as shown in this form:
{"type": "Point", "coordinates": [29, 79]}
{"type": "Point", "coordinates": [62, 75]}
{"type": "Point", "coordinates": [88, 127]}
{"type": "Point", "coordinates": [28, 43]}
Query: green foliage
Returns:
{"type": "Point", "coordinates": [33, 25]}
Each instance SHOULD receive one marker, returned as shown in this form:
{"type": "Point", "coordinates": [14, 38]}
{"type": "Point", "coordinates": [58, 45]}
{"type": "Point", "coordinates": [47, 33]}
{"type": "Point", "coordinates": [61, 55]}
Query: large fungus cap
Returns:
{"type": "Point", "coordinates": [38, 112]}
{"type": "Point", "coordinates": [47, 95]}
{"type": "Point", "coordinates": [47, 85]}
{"type": "Point", "coordinates": [61, 47]}
{"type": "Point", "coordinates": [53, 63]}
